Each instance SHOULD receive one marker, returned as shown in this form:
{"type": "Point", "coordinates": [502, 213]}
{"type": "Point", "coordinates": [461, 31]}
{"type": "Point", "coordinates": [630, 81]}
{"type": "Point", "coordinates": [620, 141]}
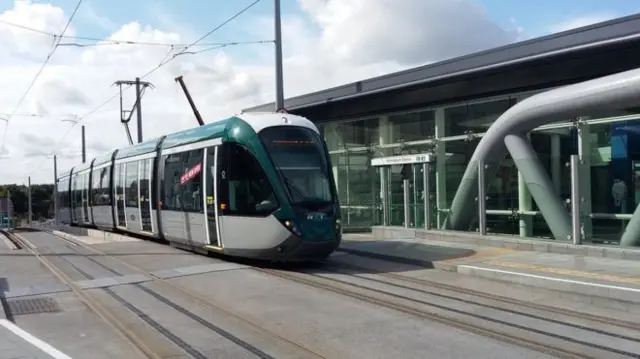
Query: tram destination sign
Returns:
{"type": "Point", "coordinates": [403, 159]}
{"type": "Point", "coordinates": [189, 174]}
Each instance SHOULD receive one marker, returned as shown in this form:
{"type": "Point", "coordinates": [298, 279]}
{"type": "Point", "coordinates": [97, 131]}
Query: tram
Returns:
{"type": "Point", "coordinates": [255, 185]}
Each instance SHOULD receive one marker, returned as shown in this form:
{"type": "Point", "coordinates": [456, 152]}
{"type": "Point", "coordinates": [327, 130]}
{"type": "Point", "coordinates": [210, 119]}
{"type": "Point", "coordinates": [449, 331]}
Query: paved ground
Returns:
{"type": "Point", "coordinates": [247, 313]}
{"type": "Point", "coordinates": [591, 276]}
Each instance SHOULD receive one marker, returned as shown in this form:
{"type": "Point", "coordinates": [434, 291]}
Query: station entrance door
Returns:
{"type": "Point", "coordinates": [407, 190]}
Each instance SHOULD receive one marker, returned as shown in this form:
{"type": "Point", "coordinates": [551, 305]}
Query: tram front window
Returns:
{"type": "Point", "coordinates": [299, 156]}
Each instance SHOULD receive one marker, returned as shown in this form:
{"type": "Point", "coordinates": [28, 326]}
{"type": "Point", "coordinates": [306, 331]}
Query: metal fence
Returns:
{"type": "Point", "coordinates": [6, 213]}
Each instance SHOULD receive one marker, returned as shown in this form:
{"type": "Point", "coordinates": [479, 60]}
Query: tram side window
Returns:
{"type": "Point", "coordinates": [131, 183]}
{"type": "Point", "coordinates": [247, 187]}
{"type": "Point", "coordinates": [119, 181]}
{"type": "Point", "coordinates": [85, 187]}
{"type": "Point", "coordinates": [100, 187]}
{"type": "Point", "coordinates": [144, 180]}
{"type": "Point", "coordinates": [182, 182]}
{"type": "Point", "coordinates": [75, 192]}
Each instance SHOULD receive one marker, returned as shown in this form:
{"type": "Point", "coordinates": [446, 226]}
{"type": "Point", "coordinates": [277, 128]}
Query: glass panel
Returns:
{"type": "Point", "coordinates": [247, 188]}
{"type": "Point", "coordinates": [182, 182]}
{"type": "Point", "coordinates": [433, 208]}
{"type": "Point", "coordinates": [395, 194]}
{"type": "Point", "coordinates": [416, 196]}
{"type": "Point", "coordinates": [299, 156]}
{"type": "Point", "coordinates": [360, 133]}
{"type": "Point", "coordinates": [416, 126]}
{"type": "Point", "coordinates": [458, 155]}
{"type": "Point", "coordinates": [119, 179]}
{"type": "Point", "coordinates": [85, 197]}
{"type": "Point", "coordinates": [474, 118]}
{"type": "Point", "coordinates": [554, 149]}
{"type": "Point", "coordinates": [211, 201]}
{"type": "Point", "coordinates": [502, 188]}
{"type": "Point", "coordinates": [145, 210]}
{"type": "Point", "coordinates": [615, 176]}
{"type": "Point", "coordinates": [378, 203]}
{"type": "Point", "coordinates": [131, 183]}
{"type": "Point", "coordinates": [361, 187]}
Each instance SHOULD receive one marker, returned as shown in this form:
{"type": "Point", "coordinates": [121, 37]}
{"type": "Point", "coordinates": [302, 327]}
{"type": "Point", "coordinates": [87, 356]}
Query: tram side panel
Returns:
{"type": "Point", "coordinates": [180, 181]}
{"type": "Point", "coordinates": [247, 225]}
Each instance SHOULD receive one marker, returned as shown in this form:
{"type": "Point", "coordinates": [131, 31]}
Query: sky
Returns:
{"type": "Point", "coordinates": [325, 43]}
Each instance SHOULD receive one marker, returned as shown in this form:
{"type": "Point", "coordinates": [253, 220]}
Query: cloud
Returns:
{"type": "Point", "coordinates": [90, 15]}
{"type": "Point", "coordinates": [333, 42]}
{"type": "Point", "coordinates": [580, 21]}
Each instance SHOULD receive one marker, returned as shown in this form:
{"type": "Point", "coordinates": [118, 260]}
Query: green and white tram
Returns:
{"type": "Point", "coordinates": [255, 185]}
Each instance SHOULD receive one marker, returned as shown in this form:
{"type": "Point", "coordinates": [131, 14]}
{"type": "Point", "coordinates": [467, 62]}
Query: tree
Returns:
{"type": "Point", "coordinates": [41, 199]}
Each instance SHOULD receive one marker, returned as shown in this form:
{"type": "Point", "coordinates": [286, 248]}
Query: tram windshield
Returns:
{"type": "Point", "coordinates": [299, 156]}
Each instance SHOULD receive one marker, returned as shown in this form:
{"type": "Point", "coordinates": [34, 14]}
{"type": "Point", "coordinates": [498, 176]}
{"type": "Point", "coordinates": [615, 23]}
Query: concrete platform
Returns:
{"type": "Point", "coordinates": [585, 274]}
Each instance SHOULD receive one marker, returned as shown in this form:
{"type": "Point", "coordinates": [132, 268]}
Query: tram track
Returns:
{"type": "Point", "coordinates": [136, 340]}
{"type": "Point", "coordinates": [441, 310]}
{"type": "Point", "coordinates": [521, 305]}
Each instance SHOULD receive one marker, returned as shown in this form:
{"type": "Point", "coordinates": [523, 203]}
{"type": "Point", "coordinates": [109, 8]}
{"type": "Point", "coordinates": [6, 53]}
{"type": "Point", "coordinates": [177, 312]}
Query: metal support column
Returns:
{"type": "Point", "coordinates": [29, 199]}
{"type": "Point", "coordinates": [426, 169]}
{"type": "Point", "coordinates": [384, 196]}
{"type": "Point", "coordinates": [575, 199]}
{"type": "Point", "coordinates": [584, 153]}
{"type": "Point", "coordinates": [84, 146]}
{"type": "Point", "coordinates": [525, 205]}
{"type": "Point", "coordinates": [631, 236]}
{"type": "Point", "coordinates": [441, 169]}
{"type": "Point", "coordinates": [56, 205]}
{"type": "Point", "coordinates": [278, 56]}
{"type": "Point", "coordinates": [525, 202]}
{"type": "Point", "coordinates": [139, 108]}
{"type": "Point", "coordinates": [407, 213]}
{"type": "Point", "coordinates": [556, 165]}
{"type": "Point", "coordinates": [539, 185]}
{"type": "Point", "coordinates": [482, 197]}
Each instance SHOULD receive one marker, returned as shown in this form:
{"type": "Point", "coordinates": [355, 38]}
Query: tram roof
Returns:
{"type": "Point", "coordinates": [81, 167]}
{"type": "Point", "coordinates": [138, 149]}
{"type": "Point", "coordinates": [196, 134]}
{"type": "Point", "coordinates": [104, 158]}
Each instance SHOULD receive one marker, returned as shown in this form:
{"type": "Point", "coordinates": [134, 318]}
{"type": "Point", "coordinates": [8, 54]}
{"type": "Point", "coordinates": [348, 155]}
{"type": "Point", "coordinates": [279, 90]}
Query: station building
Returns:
{"type": "Point", "coordinates": [381, 131]}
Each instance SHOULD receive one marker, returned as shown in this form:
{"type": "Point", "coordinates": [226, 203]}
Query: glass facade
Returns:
{"type": "Point", "coordinates": [608, 146]}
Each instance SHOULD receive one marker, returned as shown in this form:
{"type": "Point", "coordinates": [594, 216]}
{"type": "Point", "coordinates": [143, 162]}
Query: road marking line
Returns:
{"type": "Point", "coordinates": [608, 286]}
{"type": "Point", "coordinates": [565, 271]}
{"type": "Point", "coordinates": [53, 352]}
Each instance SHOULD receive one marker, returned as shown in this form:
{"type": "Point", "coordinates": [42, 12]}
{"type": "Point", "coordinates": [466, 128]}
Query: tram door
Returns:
{"type": "Point", "coordinates": [85, 197]}
{"type": "Point", "coordinates": [118, 179]}
{"type": "Point", "coordinates": [406, 190]}
{"type": "Point", "coordinates": [214, 173]}
{"type": "Point", "coordinates": [144, 194]}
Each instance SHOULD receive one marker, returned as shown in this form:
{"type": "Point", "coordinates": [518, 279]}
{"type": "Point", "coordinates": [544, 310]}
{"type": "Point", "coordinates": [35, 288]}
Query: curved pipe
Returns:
{"type": "Point", "coordinates": [613, 92]}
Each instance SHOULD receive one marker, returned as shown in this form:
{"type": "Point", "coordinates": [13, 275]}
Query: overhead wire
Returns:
{"type": "Point", "coordinates": [44, 64]}
{"type": "Point", "coordinates": [108, 41]}
{"type": "Point", "coordinates": [184, 51]}
{"type": "Point", "coordinates": [165, 60]}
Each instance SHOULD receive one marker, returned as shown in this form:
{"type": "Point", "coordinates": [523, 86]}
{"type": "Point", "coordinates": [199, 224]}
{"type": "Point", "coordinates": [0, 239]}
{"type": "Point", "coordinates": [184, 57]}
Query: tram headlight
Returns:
{"type": "Point", "coordinates": [338, 226]}
{"type": "Point", "coordinates": [291, 226]}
